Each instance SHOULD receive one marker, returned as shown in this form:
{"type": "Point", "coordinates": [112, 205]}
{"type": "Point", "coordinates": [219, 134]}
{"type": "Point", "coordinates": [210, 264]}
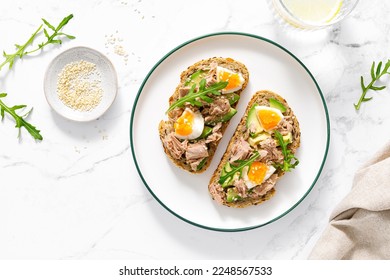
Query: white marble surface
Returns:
{"type": "Point", "coordinates": [77, 195]}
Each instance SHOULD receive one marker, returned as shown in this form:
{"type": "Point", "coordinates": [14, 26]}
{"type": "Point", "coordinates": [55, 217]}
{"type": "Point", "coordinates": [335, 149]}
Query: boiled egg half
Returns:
{"type": "Point", "coordinates": [189, 125]}
{"type": "Point", "coordinates": [268, 117]}
{"type": "Point", "coordinates": [256, 174]}
{"type": "Point", "coordinates": [235, 80]}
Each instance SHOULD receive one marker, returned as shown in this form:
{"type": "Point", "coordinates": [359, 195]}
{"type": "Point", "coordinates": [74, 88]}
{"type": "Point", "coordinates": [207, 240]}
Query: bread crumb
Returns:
{"type": "Point", "coordinates": [79, 85]}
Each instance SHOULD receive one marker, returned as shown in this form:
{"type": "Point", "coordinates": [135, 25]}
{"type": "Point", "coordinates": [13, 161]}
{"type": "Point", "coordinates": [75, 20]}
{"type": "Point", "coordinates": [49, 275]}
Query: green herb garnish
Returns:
{"type": "Point", "coordinates": [19, 120]}
{"type": "Point", "coordinates": [290, 161]}
{"type": "Point", "coordinates": [54, 38]}
{"type": "Point", "coordinates": [202, 92]}
{"type": "Point", "coordinates": [239, 167]}
{"type": "Point", "coordinates": [21, 50]}
{"type": "Point", "coordinates": [376, 74]}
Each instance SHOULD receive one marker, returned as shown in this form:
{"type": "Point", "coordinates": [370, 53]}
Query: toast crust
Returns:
{"type": "Point", "coordinates": [216, 191]}
{"type": "Point", "coordinates": [166, 125]}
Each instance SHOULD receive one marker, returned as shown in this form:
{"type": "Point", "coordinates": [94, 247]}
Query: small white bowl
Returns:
{"type": "Point", "coordinates": [109, 83]}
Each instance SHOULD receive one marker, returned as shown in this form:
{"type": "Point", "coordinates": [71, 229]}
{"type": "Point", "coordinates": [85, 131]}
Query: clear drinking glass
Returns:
{"type": "Point", "coordinates": [312, 14]}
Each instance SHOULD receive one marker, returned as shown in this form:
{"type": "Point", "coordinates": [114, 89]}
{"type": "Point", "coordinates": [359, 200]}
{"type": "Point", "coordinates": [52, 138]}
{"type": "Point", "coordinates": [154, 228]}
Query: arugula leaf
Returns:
{"type": "Point", "coordinates": [50, 39]}
{"type": "Point", "coordinates": [54, 38]}
{"type": "Point", "coordinates": [21, 50]}
{"type": "Point", "coordinates": [239, 167]}
{"type": "Point", "coordinates": [376, 74]}
{"type": "Point", "coordinates": [290, 161]}
{"type": "Point", "coordinates": [19, 120]}
{"type": "Point", "coordinates": [192, 96]}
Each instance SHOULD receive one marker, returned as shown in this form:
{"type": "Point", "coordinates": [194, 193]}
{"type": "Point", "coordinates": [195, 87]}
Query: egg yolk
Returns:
{"type": "Point", "coordinates": [232, 79]}
{"type": "Point", "coordinates": [268, 118]}
{"type": "Point", "coordinates": [257, 172]}
{"type": "Point", "coordinates": [183, 125]}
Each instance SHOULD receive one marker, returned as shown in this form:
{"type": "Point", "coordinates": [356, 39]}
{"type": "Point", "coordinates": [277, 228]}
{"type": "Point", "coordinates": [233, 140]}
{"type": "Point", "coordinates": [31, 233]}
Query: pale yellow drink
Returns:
{"type": "Point", "coordinates": [314, 11]}
{"type": "Point", "coordinates": [313, 14]}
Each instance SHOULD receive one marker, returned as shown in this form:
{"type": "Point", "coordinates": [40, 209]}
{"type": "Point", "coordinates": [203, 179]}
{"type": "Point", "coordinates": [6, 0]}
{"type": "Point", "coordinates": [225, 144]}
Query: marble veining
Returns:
{"type": "Point", "coordinates": [77, 194]}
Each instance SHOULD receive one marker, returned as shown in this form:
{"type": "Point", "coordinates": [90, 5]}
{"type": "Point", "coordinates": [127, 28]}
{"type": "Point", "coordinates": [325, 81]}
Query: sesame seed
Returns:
{"type": "Point", "coordinates": [79, 85]}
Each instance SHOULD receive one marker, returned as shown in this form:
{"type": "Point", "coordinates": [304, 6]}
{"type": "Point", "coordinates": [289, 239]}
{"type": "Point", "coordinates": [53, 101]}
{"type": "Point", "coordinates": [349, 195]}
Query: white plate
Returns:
{"type": "Point", "coordinates": [108, 81]}
{"type": "Point", "coordinates": [271, 67]}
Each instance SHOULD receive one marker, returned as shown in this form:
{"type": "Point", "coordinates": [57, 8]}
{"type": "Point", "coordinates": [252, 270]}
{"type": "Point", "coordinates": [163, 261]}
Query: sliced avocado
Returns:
{"type": "Point", "coordinates": [206, 132]}
{"type": "Point", "coordinates": [229, 115]}
{"type": "Point", "coordinates": [229, 181]}
{"type": "Point", "coordinates": [287, 138]}
{"type": "Point", "coordinates": [274, 103]}
{"type": "Point", "coordinates": [232, 195]}
{"type": "Point", "coordinates": [196, 77]}
{"type": "Point", "coordinates": [224, 118]}
{"type": "Point", "coordinates": [233, 98]}
{"type": "Point", "coordinates": [252, 121]}
{"type": "Point", "coordinates": [227, 168]}
{"type": "Point", "coordinates": [201, 164]}
{"type": "Point", "coordinates": [253, 141]}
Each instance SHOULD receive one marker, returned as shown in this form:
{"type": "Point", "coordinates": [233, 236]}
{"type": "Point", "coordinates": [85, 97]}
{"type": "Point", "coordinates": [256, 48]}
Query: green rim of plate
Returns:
{"type": "Point", "coordinates": [213, 35]}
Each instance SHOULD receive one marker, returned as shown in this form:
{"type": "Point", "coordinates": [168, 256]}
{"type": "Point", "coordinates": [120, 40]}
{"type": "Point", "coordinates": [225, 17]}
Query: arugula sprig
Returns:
{"type": "Point", "coordinates": [290, 161]}
{"type": "Point", "coordinates": [21, 50]}
{"type": "Point", "coordinates": [239, 167]}
{"type": "Point", "coordinates": [54, 38]}
{"type": "Point", "coordinates": [376, 74]}
{"type": "Point", "coordinates": [201, 93]}
{"type": "Point", "coordinates": [19, 120]}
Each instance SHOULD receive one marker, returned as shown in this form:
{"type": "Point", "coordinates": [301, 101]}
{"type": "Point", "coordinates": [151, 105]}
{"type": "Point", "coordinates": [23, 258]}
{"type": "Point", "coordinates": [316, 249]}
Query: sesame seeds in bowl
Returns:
{"type": "Point", "coordinates": [80, 84]}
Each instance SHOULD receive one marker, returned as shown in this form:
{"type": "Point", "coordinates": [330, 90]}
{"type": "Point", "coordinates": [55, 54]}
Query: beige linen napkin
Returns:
{"type": "Point", "coordinates": [360, 225]}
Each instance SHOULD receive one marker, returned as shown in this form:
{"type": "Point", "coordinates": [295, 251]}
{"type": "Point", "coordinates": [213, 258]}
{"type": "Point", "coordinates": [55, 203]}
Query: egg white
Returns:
{"type": "Point", "coordinates": [241, 78]}
{"type": "Point", "coordinates": [197, 125]}
{"type": "Point", "coordinates": [250, 184]}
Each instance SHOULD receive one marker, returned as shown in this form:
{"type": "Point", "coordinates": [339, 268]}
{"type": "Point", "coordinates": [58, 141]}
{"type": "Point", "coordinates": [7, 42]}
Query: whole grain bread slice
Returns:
{"type": "Point", "coordinates": [215, 189]}
{"type": "Point", "coordinates": [166, 126]}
